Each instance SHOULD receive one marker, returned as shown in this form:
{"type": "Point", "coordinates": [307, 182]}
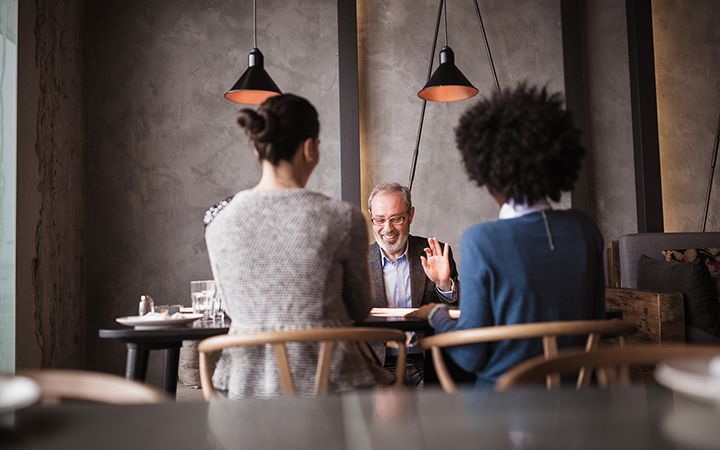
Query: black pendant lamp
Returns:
{"type": "Point", "coordinates": [255, 85]}
{"type": "Point", "coordinates": [447, 84]}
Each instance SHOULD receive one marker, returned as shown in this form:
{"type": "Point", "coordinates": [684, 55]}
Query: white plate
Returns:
{"type": "Point", "coordinates": [17, 392]}
{"type": "Point", "coordinates": [691, 376]}
{"type": "Point", "coordinates": [141, 323]}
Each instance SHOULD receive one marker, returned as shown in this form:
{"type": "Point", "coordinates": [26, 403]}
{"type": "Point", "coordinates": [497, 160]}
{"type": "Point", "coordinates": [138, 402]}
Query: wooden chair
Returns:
{"type": "Point", "coordinates": [56, 385]}
{"type": "Point", "coordinates": [548, 331]}
{"type": "Point", "coordinates": [609, 362]}
{"type": "Point", "coordinates": [327, 337]}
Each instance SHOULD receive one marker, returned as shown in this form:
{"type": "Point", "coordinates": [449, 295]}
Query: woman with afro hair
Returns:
{"type": "Point", "coordinates": [533, 264]}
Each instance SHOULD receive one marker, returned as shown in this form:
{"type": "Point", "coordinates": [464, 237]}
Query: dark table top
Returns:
{"type": "Point", "coordinates": [623, 418]}
{"type": "Point", "coordinates": [200, 329]}
{"type": "Point", "coordinates": [398, 323]}
{"type": "Point", "coordinates": [203, 329]}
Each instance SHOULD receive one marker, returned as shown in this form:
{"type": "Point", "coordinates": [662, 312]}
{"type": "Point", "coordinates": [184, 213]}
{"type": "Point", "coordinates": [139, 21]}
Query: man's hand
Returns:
{"type": "Point", "coordinates": [421, 313]}
{"type": "Point", "coordinates": [437, 264]}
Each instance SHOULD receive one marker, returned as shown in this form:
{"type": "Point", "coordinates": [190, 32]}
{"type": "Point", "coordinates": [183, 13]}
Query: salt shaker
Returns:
{"type": "Point", "coordinates": [146, 305]}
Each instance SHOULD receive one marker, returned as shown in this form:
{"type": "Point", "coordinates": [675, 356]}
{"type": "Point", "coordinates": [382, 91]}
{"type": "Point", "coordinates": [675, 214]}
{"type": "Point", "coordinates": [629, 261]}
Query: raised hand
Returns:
{"type": "Point", "coordinates": [436, 264]}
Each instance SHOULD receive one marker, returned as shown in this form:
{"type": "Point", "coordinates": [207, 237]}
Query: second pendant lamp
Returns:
{"type": "Point", "coordinates": [447, 84]}
{"type": "Point", "coordinates": [255, 85]}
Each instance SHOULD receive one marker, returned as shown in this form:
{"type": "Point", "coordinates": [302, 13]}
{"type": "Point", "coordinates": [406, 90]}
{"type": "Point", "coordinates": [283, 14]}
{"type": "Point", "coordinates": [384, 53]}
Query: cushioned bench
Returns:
{"type": "Point", "coordinates": [633, 246]}
{"type": "Point", "coordinates": [659, 315]}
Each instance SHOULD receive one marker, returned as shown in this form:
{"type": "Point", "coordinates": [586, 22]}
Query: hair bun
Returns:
{"type": "Point", "coordinates": [270, 129]}
{"type": "Point", "coordinates": [260, 126]}
{"type": "Point", "coordinates": [251, 121]}
{"type": "Point", "coordinates": [279, 126]}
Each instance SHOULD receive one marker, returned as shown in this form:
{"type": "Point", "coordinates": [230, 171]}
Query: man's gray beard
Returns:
{"type": "Point", "coordinates": [399, 246]}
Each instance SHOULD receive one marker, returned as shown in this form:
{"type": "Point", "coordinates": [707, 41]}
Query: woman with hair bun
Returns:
{"type": "Point", "coordinates": [288, 258]}
{"type": "Point", "coordinates": [534, 264]}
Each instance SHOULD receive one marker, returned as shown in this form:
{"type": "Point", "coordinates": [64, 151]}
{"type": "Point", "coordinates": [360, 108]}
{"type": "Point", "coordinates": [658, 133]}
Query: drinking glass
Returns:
{"type": "Point", "coordinates": [218, 307]}
{"type": "Point", "coordinates": [203, 295]}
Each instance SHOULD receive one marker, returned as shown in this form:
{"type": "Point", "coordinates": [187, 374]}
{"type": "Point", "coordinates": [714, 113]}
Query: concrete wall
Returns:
{"type": "Point", "coordinates": [687, 60]}
{"type": "Point", "coordinates": [50, 207]}
{"type": "Point", "coordinates": [610, 134]}
{"type": "Point", "coordinates": [395, 39]}
{"type": "Point", "coordinates": [687, 63]}
{"type": "Point", "coordinates": [162, 141]}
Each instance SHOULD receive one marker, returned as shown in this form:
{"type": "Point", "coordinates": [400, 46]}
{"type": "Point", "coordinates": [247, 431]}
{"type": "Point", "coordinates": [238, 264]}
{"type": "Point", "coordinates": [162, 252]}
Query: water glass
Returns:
{"type": "Point", "coordinates": [219, 308]}
{"type": "Point", "coordinates": [202, 294]}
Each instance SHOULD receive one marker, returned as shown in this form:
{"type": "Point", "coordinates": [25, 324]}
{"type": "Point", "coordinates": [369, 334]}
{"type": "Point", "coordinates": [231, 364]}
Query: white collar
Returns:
{"type": "Point", "coordinates": [511, 210]}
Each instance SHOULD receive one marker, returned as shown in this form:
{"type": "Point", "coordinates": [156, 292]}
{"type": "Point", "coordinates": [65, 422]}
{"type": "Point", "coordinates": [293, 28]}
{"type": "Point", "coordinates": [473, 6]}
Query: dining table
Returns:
{"type": "Point", "coordinates": [139, 342]}
{"type": "Point", "coordinates": [635, 417]}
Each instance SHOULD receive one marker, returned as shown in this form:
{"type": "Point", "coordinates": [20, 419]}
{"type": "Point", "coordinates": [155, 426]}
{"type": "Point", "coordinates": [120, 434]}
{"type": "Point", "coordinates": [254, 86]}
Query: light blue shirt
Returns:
{"type": "Point", "coordinates": [397, 281]}
{"type": "Point", "coordinates": [397, 290]}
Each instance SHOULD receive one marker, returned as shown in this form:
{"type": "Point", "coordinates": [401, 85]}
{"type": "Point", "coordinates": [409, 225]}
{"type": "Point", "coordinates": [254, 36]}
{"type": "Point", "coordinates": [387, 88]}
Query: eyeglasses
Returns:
{"type": "Point", "coordinates": [394, 220]}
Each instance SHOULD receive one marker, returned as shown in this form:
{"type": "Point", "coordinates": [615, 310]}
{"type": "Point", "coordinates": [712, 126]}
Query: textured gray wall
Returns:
{"type": "Point", "coordinates": [612, 175]}
{"type": "Point", "coordinates": [687, 63]}
{"type": "Point", "coordinates": [162, 141]}
{"type": "Point", "coordinates": [395, 39]}
{"type": "Point", "coordinates": [50, 208]}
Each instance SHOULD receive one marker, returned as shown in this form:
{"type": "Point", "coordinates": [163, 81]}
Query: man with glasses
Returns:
{"type": "Point", "coordinates": [406, 271]}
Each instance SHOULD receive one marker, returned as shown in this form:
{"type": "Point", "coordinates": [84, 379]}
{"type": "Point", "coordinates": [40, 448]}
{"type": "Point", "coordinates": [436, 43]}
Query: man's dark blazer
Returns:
{"type": "Point", "coordinates": [422, 289]}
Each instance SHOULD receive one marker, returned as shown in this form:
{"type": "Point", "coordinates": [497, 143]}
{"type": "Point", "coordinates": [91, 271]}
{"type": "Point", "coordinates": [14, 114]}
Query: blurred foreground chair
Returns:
{"type": "Point", "coordinates": [548, 331]}
{"type": "Point", "coordinates": [610, 363]}
{"type": "Point", "coordinates": [327, 337]}
{"type": "Point", "coordinates": [56, 385]}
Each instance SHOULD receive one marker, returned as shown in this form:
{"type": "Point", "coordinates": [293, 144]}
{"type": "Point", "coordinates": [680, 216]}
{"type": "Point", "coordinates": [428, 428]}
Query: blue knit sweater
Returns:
{"type": "Point", "coordinates": [509, 275]}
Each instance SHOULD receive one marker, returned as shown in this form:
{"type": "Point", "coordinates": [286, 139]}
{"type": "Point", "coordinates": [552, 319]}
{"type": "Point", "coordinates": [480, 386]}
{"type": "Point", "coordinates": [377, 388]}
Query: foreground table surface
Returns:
{"type": "Point", "coordinates": [628, 418]}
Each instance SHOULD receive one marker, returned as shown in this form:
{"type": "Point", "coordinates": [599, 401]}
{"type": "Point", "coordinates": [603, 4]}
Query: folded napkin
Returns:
{"type": "Point", "coordinates": [401, 312]}
{"type": "Point", "coordinates": [152, 316]}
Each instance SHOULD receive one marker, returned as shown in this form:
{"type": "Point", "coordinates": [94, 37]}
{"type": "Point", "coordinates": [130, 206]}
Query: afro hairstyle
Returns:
{"type": "Point", "coordinates": [521, 144]}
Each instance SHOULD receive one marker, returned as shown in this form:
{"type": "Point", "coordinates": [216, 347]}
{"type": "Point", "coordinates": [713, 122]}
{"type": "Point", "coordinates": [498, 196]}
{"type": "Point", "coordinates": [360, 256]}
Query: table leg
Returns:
{"type": "Point", "coordinates": [137, 361]}
{"type": "Point", "coordinates": [170, 372]}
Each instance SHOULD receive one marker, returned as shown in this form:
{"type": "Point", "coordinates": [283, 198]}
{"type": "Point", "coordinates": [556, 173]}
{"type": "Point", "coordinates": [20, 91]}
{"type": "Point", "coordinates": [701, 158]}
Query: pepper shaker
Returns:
{"type": "Point", "coordinates": [146, 305]}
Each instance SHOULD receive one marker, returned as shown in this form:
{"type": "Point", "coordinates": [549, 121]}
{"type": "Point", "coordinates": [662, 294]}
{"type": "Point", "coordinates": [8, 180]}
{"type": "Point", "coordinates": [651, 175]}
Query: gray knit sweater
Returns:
{"type": "Point", "coordinates": [289, 259]}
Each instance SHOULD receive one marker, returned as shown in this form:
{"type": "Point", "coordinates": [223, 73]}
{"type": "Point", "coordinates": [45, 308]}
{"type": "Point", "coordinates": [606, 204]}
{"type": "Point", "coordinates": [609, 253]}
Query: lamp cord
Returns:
{"type": "Point", "coordinates": [446, 33]}
{"type": "Point", "coordinates": [424, 103]}
{"type": "Point", "coordinates": [254, 23]}
{"type": "Point", "coordinates": [487, 46]}
{"type": "Point", "coordinates": [712, 174]}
